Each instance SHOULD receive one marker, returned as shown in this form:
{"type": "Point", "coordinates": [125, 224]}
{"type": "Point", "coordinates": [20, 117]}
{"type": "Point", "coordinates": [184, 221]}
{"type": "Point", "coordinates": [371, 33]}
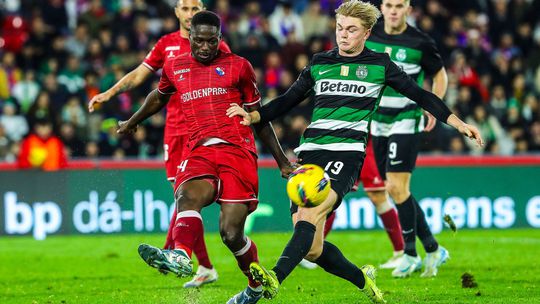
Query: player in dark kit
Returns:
{"type": "Point", "coordinates": [347, 83]}
{"type": "Point", "coordinates": [397, 127]}
{"type": "Point", "coordinates": [221, 164]}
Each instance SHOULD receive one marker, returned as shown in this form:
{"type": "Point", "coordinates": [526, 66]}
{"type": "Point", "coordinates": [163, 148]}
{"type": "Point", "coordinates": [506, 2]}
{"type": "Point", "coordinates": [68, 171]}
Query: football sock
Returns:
{"type": "Point", "coordinates": [390, 219]}
{"type": "Point", "coordinates": [423, 231]}
{"type": "Point", "coordinates": [407, 218]}
{"type": "Point", "coordinates": [187, 229]}
{"type": "Point", "coordinates": [296, 249]}
{"type": "Point", "coordinates": [328, 224]}
{"type": "Point", "coordinates": [333, 261]}
{"type": "Point", "coordinates": [199, 247]}
{"type": "Point", "coordinates": [246, 256]}
{"type": "Point", "coordinates": [200, 251]}
{"type": "Point", "coordinates": [169, 243]}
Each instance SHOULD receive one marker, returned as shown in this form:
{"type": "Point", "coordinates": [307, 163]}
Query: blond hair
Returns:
{"type": "Point", "coordinates": [366, 12]}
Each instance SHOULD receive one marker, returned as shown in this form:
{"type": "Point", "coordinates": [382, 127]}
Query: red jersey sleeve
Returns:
{"type": "Point", "coordinates": [155, 58]}
{"type": "Point", "coordinates": [248, 85]}
{"type": "Point", "coordinates": [166, 86]}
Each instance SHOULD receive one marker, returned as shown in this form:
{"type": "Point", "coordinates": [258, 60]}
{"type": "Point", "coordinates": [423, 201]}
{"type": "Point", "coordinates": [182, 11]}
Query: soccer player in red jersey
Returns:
{"type": "Point", "coordinates": [221, 164]}
{"type": "Point", "coordinates": [176, 131]}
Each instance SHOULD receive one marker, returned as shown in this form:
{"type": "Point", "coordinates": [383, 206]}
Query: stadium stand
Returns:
{"type": "Point", "coordinates": [55, 55]}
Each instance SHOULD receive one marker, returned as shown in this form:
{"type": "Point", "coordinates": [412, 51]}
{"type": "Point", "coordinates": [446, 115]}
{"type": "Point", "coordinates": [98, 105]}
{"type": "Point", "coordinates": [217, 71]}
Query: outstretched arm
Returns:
{"type": "Point", "coordinates": [299, 91]}
{"type": "Point", "coordinates": [130, 80]}
{"type": "Point", "coordinates": [154, 102]}
{"type": "Point", "coordinates": [402, 83]}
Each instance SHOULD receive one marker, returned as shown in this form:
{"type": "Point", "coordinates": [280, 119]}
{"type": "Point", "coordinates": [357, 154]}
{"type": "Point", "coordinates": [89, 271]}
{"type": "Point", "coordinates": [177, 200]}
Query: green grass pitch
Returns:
{"type": "Point", "coordinates": [107, 269]}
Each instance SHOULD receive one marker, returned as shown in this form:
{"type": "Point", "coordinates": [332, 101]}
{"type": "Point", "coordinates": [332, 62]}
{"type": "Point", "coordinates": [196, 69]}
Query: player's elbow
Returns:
{"type": "Point", "coordinates": [140, 74]}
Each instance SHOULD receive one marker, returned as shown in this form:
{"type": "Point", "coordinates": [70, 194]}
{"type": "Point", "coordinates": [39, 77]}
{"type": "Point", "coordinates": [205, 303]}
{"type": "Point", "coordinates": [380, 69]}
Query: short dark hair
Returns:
{"type": "Point", "coordinates": [42, 122]}
{"type": "Point", "coordinates": [206, 18]}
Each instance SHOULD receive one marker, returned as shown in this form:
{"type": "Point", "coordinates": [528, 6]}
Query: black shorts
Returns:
{"type": "Point", "coordinates": [396, 153]}
{"type": "Point", "coordinates": [342, 167]}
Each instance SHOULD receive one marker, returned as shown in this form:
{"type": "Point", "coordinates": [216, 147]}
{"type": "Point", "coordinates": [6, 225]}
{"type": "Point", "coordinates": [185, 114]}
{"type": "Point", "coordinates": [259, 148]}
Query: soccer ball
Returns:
{"type": "Point", "coordinates": [308, 186]}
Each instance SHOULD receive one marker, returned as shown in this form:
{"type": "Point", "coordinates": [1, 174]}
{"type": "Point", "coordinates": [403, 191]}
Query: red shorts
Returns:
{"type": "Point", "coordinates": [234, 169]}
{"type": "Point", "coordinates": [369, 175]}
{"type": "Point", "coordinates": [174, 148]}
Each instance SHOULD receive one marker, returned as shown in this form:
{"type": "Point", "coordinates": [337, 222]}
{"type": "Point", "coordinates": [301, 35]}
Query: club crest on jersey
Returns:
{"type": "Point", "coordinates": [401, 55]}
{"type": "Point", "coordinates": [344, 70]}
{"type": "Point", "coordinates": [361, 72]}
{"type": "Point", "coordinates": [220, 71]}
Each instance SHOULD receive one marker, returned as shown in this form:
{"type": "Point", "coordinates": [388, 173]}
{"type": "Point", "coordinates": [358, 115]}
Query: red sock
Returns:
{"type": "Point", "coordinates": [169, 243]}
{"type": "Point", "coordinates": [187, 229]}
{"type": "Point", "coordinates": [199, 249]}
{"type": "Point", "coordinates": [329, 223]}
{"type": "Point", "coordinates": [391, 223]}
{"type": "Point", "coordinates": [246, 256]}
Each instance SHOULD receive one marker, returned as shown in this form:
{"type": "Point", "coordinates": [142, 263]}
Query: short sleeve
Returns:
{"type": "Point", "coordinates": [431, 61]}
{"type": "Point", "coordinates": [166, 86]}
{"type": "Point", "coordinates": [155, 59]}
{"type": "Point", "coordinates": [248, 85]}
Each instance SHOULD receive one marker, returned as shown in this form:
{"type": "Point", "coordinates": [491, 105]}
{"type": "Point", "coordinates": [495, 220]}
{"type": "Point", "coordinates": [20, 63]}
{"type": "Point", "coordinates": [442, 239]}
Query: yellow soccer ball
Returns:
{"type": "Point", "coordinates": [308, 186]}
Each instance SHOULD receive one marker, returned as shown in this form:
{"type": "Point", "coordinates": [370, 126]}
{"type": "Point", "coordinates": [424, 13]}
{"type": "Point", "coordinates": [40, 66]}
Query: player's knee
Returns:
{"type": "Point", "coordinates": [396, 191]}
{"type": "Point", "coordinates": [314, 253]}
{"type": "Point", "coordinates": [377, 197]}
{"type": "Point", "coordinates": [231, 235]}
{"type": "Point", "coordinates": [308, 215]}
{"type": "Point", "coordinates": [391, 187]}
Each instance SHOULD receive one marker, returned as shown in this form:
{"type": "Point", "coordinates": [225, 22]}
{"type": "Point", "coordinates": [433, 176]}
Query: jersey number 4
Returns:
{"type": "Point", "coordinates": [183, 165]}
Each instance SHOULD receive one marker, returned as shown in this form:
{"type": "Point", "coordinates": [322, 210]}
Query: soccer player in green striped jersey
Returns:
{"type": "Point", "coordinates": [347, 83]}
{"type": "Point", "coordinates": [397, 125]}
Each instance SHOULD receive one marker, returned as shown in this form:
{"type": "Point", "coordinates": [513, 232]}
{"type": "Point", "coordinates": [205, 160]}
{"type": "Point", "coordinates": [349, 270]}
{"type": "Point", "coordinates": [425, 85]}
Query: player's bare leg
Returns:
{"type": "Point", "coordinates": [413, 223]}
{"type": "Point", "coordinates": [231, 228]}
{"type": "Point", "coordinates": [190, 198]}
{"type": "Point", "coordinates": [389, 216]}
{"type": "Point", "coordinates": [308, 241]}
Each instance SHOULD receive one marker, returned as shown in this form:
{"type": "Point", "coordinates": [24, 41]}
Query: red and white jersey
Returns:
{"type": "Point", "coordinates": [168, 47]}
{"type": "Point", "coordinates": [205, 93]}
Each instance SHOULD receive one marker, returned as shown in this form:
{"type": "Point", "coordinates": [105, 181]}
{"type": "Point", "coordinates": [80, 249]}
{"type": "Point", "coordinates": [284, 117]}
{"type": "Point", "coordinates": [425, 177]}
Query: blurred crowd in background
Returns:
{"type": "Point", "coordinates": [56, 54]}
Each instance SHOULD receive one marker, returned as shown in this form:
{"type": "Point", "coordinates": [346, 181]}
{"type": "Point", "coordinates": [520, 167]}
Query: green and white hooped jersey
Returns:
{"type": "Point", "coordinates": [346, 93]}
{"type": "Point", "coordinates": [416, 54]}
